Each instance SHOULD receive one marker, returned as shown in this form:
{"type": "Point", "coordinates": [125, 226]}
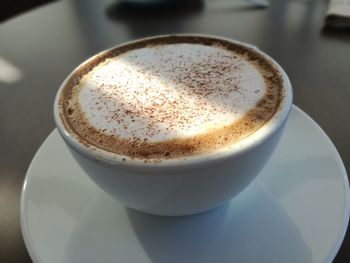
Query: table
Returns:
{"type": "Point", "coordinates": [39, 48]}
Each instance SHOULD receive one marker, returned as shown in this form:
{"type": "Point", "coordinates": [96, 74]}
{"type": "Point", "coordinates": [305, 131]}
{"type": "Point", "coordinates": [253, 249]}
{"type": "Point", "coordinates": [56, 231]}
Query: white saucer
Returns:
{"type": "Point", "coordinates": [296, 211]}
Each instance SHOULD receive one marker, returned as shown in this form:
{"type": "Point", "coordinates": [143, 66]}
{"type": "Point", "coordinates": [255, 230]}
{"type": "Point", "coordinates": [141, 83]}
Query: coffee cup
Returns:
{"type": "Point", "coordinates": [219, 110]}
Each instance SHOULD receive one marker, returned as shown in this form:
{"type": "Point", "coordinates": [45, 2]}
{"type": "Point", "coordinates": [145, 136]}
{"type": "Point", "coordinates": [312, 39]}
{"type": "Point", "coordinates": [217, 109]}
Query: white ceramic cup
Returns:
{"type": "Point", "coordinates": [181, 186]}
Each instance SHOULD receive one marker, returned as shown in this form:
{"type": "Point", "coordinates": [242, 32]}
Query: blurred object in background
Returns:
{"type": "Point", "coordinates": [10, 8]}
{"type": "Point", "coordinates": [236, 4]}
{"type": "Point", "coordinates": [143, 19]}
{"type": "Point", "coordinates": [152, 3]}
{"type": "Point", "coordinates": [155, 5]}
{"type": "Point", "coordinates": [221, 4]}
{"type": "Point", "coordinates": [338, 14]}
{"type": "Point", "coordinates": [9, 73]}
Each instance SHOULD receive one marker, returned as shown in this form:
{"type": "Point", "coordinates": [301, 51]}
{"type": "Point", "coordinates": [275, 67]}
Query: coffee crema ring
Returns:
{"type": "Point", "coordinates": [170, 97]}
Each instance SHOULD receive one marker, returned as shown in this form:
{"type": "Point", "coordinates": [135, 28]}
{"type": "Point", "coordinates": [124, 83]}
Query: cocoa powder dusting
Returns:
{"type": "Point", "coordinates": [202, 82]}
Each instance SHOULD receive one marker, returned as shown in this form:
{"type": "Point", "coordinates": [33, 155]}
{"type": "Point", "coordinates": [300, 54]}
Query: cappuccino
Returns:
{"type": "Point", "coordinates": [171, 97]}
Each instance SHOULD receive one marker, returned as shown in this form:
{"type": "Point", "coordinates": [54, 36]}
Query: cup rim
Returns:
{"type": "Point", "coordinates": [232, 151]}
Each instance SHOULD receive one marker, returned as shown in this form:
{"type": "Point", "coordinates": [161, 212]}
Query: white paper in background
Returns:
{"type": "Point", "coordinates": [338, 14]}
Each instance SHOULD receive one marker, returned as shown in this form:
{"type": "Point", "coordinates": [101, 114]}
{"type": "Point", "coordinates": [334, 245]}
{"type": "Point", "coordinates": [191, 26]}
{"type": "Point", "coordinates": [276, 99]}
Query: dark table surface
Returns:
{"type": "Point", "coordinates": [41, 46]}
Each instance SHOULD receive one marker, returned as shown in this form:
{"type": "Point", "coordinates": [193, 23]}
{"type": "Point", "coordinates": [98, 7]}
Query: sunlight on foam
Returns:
{"type": "Point", "coordinates": [9, 73]}
{"type": "Point", "coordinates": [169, 108]}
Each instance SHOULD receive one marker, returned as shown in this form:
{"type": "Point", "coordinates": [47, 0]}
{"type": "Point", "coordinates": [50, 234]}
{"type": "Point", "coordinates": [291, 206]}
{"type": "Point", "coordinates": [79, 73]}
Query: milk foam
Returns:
{"type": "Point", "coordinates": [165, 92]}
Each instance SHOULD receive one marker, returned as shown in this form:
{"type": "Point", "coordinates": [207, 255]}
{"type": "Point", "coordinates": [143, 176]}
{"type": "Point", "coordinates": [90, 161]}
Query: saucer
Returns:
{"type": "Point", "coordinates": [297, 210]}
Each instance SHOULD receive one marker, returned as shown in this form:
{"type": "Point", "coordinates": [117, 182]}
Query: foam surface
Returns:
{"type": "Point", "coordinates": [170, 96]}
{"type": "Point", "coordinates": [167, 92]}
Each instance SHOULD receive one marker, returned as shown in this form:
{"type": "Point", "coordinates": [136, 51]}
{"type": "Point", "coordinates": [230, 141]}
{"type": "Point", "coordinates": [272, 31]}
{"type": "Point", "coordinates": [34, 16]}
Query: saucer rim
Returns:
{"type": "Point", "coordinates": [35, 257]}
{"type": "Point", "coordinates": [346, 186]}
